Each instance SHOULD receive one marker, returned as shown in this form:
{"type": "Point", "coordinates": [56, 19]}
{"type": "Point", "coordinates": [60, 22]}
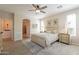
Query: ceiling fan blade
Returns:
{"type": "Point", "coordinates": [43, 7]}
{"type": "Point", "coordinates": [42, 11]}
{"type": "Point", "coordinates": [34, 5]}
{"type": "Point", "coordinates": [30, 10]}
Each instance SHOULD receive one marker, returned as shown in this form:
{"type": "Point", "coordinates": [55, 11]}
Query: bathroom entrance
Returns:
{"type": "Point", "coordinates": [26, 29]}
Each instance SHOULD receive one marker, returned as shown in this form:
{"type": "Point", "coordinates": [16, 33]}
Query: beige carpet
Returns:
{"type": "Point", "coordinates": [30, 48]}
{"type": "Point", "coordinates": [14, 48]}
{"type": "Point", "coordinates": [19, 48]}
{"type": "Point", "coordinates": [60, 49]}
{"type": "Point", "coordinates": [34, 48]}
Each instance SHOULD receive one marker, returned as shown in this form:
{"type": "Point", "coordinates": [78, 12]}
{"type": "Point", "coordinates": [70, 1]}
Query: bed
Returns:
{"type": "Point", "coordinates": [44, 39]}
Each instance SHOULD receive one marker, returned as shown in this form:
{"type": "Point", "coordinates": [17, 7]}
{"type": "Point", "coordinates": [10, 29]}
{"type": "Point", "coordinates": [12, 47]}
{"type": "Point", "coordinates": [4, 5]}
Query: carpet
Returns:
{"type": "Point", "coordinates": [30, 48]}
{"type": "Point", "coordinates": [34, 48]}
{"type": "Point", "coordinates": [60, 49]}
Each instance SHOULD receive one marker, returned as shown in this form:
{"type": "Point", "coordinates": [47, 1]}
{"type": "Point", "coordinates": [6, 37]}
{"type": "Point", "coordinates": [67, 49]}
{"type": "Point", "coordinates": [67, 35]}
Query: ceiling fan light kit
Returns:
{"type": "Point", "coordinates": [37, 11]}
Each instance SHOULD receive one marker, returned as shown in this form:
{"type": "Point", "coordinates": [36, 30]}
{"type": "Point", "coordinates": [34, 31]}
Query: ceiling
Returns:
{"type": "Point", "coordinates": [51, 8]}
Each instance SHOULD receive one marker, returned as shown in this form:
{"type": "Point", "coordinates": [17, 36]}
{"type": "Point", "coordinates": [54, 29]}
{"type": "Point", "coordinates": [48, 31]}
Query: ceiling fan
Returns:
{"type": "Point", "coordinates": [38, 9]}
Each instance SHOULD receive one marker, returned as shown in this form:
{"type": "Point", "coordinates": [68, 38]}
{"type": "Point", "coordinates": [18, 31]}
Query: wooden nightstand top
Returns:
{"type": "Point", "coordinates": [63, 34]}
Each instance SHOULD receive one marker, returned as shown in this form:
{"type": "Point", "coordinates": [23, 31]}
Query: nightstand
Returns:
{"type": "Point", "coordinates": [64, 38]}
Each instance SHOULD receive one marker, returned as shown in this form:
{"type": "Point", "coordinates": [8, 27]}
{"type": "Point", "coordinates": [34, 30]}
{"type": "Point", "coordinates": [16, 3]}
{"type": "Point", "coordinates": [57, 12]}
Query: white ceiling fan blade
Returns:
{"type": "Point", "coordinates": [31, 10]}
{"type": "Point", "coordinates": [43, 7]}
{"type": "Point", "coordinates": [42, 11]}
{"type": "Point", "coordinates": [34, 5]}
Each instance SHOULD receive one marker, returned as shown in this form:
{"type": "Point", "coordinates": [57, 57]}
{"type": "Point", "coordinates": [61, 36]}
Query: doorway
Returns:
{"type": "Point", "coordinates": [26, 29]}
{"type": "Point", "coordinates": [6, 29]}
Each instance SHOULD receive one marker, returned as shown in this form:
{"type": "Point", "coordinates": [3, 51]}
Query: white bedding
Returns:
{"type": "Point", "coordinates": [44, 39]}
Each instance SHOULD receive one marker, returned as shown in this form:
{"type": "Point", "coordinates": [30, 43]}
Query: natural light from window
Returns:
{"type": "Point", "coordinates": [71, 24]}
{"type": "Point", "coordinates": [41, 25]}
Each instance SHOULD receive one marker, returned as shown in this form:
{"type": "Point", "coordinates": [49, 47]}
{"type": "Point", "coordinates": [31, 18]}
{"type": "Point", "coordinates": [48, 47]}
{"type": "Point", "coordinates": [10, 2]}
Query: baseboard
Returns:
{"type": "Point", "coordinates": [17, 40]}
{"type": "Point", "coordinates": [74, 44]}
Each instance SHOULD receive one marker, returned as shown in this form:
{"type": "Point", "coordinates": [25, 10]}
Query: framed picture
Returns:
{"type": "Point", "coordinates": [34, 25]}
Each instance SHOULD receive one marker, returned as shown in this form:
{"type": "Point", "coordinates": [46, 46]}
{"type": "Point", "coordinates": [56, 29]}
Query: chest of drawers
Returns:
{"type": "Point", "coordinates": [65, 38]}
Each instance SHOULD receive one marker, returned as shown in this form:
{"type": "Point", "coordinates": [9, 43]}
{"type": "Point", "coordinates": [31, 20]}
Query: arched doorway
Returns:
{"type": "Point", "coordinates": [26, 29]}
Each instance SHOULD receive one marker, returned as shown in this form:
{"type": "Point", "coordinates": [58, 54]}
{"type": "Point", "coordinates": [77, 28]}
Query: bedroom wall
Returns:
{"type": "Point", "coordinates": [62, 20]}
{"type": "Point", "coordinates": [18, 18]}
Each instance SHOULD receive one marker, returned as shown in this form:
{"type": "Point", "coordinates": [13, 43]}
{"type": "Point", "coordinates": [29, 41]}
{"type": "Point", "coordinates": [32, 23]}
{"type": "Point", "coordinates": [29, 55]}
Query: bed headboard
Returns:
{"type": "Point", "coordinates": [51, 25]}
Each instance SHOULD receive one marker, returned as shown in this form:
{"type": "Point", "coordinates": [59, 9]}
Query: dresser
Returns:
{"type": "Point", "coordinates": [64, 38]}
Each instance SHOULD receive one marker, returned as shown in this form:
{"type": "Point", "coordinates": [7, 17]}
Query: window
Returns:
{"type": "Point", "coordinates": [71, 24]}
{"type": "Point", "coordinates": [41, 25]}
